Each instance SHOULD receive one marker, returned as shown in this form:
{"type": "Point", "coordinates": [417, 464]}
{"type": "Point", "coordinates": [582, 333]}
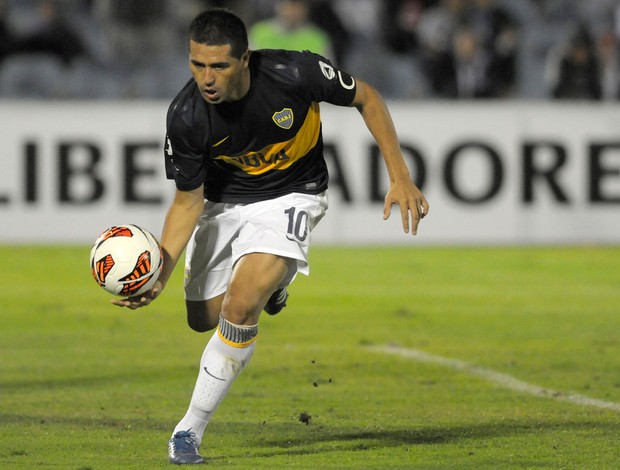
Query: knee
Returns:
{"type": "Point", "coordinates": [240, 310]}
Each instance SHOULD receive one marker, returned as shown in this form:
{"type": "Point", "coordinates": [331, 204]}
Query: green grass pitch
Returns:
{"type": "Point", "coordinates": [86, 385]}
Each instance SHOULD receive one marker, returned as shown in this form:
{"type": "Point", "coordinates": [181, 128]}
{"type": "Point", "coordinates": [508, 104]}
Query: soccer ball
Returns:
{"type": "Point", "coordinates": [126, 260]}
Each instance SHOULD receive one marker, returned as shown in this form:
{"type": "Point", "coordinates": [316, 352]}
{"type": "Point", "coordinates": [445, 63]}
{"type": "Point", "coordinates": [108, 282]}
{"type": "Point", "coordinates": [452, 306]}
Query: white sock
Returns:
{"type": "Point", "coordinates": [226, 355]}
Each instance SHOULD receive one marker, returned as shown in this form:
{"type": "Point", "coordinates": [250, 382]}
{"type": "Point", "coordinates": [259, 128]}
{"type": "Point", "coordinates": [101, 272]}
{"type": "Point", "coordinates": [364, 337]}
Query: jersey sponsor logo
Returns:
{"type": "Point", "coordinates": [258, 160]}
{"type": "Point", "coordinates": [283, 118]}
{"type": "Point", "coordinates": [327, 70]}
{"type": "Point", "coordinates": [281, 155]}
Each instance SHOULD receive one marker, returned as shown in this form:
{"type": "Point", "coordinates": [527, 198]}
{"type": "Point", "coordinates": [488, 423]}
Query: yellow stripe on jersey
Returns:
{"type": "Point", "coordinates": [281, 155]}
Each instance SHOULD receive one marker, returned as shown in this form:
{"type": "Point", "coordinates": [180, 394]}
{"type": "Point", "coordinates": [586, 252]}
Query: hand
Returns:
{"type": "Point", "coordinates": [143, 300]}
{"type": "Point", "coordinates": [409, 198]}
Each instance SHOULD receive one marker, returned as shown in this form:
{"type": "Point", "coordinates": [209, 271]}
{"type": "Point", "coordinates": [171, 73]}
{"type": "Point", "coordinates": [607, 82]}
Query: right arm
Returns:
{"type": "Point", "coordinates": [179, 225]}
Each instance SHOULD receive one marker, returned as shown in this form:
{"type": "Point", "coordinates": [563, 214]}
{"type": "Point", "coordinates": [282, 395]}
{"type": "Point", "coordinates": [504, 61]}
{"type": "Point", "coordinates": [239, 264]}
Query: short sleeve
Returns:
{"type": "Point", "coordinates": [326, 82]}
{"type": "Point", "coordinates": [184, 160]}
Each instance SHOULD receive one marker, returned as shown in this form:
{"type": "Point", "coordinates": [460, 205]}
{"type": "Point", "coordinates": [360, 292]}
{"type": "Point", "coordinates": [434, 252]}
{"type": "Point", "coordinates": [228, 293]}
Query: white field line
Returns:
{"type": "Point", "coordinates": [499, 378]}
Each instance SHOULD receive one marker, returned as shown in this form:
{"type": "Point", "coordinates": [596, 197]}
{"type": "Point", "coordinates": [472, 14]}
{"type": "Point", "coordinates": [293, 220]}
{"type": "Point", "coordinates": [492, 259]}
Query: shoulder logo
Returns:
{"type": "Point", "coordinates": [283, 118]}
{"type": "Point", "coordinates": [344, 85]}
{"type": "Point", "coordinates": [327, 70]}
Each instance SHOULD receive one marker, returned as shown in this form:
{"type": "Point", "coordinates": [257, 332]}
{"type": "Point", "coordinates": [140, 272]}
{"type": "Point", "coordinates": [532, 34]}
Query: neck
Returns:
{"type": "Point", "coordinates": [244, 84]}
{"type": "Point", "coordinates": [243, 87]}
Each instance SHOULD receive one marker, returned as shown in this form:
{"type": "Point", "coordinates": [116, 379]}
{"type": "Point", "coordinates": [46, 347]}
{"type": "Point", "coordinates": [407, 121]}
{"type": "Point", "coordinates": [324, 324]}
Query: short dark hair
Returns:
{"type": "Point", "coordinates": [217, 27]}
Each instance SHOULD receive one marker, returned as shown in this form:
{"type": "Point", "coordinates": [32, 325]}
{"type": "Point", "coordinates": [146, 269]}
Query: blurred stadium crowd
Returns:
{"type": "Point", "coordinates": [409, 49]}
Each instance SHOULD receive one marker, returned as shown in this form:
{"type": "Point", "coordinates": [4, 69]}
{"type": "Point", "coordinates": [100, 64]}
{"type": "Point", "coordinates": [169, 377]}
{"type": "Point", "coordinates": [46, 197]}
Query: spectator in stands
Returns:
{"type": "Point", "coordinates": [574, 69]}
{"type": "Point", "coordinates": [135, 26]}
{"type": "Point", "coordinates": [323, 14]}
{"type": "Point", "coordinates": [7, 41]}
{"type": "Point", "coordinates": [461, 72]}
{"type": "Point", "coordinates": [54, 35]}
{"type": "Point", "coordinates": [290, 28]}
{"type": "Point", "coordinates": [400, 23]}
{"type": "Point", "coordinates": [435, 30]}
{"type": "Point", "coordinates": [608, 56]}
{"type": "Point", "coordinates": [401, 55]}
{"type": "Point", "coordinates": [497, 33]}
{"type": "Point", "coordinates": [402, 51]}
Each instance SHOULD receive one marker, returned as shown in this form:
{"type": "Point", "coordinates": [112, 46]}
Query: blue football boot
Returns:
{"type": "Point", "coordinates": [183, 449]}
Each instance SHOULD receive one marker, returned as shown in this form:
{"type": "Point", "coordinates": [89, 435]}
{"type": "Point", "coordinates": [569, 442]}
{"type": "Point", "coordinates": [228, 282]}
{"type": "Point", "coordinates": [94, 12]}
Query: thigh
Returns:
{"type": "Point", "coordinates": [208, 257]}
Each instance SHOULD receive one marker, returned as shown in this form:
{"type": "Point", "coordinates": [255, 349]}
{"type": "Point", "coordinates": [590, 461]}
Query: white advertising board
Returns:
{"type": "Point", "coordinates": [494, 173]}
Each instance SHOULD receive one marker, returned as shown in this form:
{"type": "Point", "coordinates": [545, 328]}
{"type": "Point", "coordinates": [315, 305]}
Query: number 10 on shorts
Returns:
{"type": "Point", "coordinates": [297, 224]}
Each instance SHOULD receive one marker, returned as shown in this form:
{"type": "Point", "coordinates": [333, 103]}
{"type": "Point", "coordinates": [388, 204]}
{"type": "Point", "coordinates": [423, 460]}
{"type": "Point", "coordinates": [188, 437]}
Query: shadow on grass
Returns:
{"type": "Point", "coordinates": [252, 440]}
{"type": "Point", "coordinates": [334, 439]}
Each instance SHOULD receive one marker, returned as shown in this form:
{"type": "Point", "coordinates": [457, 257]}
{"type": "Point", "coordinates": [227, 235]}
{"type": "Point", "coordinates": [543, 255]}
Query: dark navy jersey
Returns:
{"type": "Point", "coordinates": [265, 145]}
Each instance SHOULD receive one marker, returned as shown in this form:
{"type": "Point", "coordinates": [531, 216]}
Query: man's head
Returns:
{"type": "Point", "coordinates": [293, 14]}
{"type": "Point", "coordinates": [219, 56]}
{"type": "Point", "coordinates": [219, 27]}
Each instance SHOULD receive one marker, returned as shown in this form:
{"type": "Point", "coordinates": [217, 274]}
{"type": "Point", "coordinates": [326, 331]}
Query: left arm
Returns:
{"type": "Point", "coordinates": [403, 191]}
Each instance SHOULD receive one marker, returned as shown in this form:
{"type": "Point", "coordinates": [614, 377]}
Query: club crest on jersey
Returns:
{"type": "Point", "coordinates": [283, 118]}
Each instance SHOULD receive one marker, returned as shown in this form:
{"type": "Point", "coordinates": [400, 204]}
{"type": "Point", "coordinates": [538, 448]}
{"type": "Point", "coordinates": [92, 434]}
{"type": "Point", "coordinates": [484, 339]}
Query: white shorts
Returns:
{"type": "Point", "coordinates": [226, 232]}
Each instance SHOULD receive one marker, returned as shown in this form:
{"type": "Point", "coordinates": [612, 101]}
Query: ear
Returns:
{"type": "Point", "coordinates": [245, 58]}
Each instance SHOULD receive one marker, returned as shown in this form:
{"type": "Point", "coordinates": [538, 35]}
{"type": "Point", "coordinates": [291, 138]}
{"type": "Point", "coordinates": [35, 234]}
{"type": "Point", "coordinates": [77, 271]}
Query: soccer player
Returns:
{"type": "Point", "coordinates": [245, 150]}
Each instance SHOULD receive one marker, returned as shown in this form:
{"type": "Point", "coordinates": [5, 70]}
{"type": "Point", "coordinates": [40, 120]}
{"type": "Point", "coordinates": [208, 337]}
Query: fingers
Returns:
{"type": "Point", "coordinates": [404, 215]}
{"type": "Point", "coordinates": [134, 303]}
{"type": "Point", "coordinates": [145, 299]}
{"type": "Point", "coordinates": [425, 208]}
{"type": "Point", "coordinates": [387, 209]}
{"type": "Point", "coordinates": [418, 211]}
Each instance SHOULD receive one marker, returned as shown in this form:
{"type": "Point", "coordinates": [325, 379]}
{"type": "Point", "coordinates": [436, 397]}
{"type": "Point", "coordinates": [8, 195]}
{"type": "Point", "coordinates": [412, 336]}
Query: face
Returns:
{"type": "Point", "coordinates": [219, 76]}
{"type": "Point", "coordinates": [292, 13]}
